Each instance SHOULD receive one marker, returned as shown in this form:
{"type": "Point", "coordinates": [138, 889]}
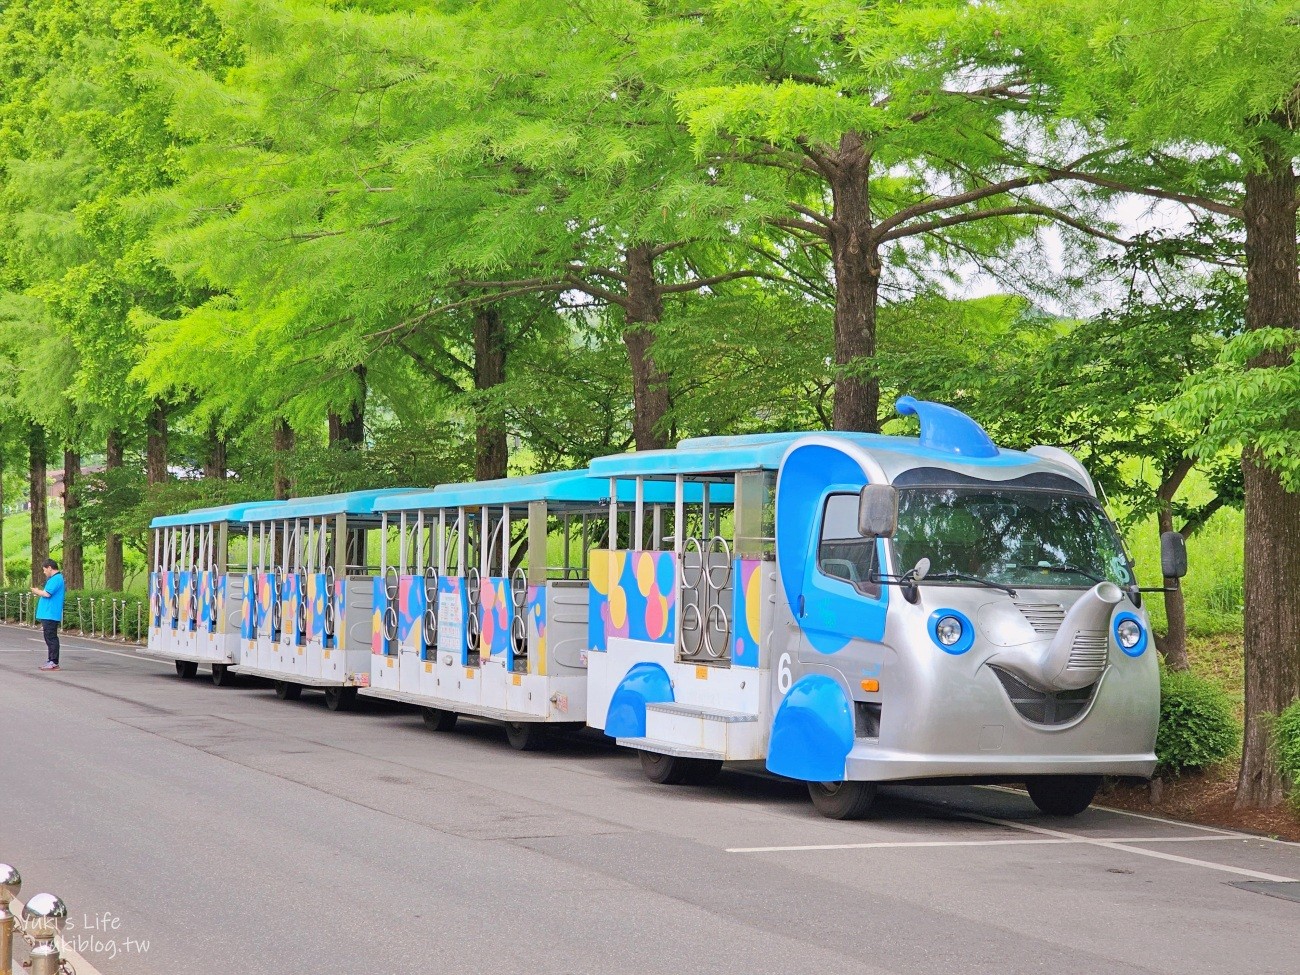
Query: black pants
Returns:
{"type": "Point", "coordinates": [51, 630]}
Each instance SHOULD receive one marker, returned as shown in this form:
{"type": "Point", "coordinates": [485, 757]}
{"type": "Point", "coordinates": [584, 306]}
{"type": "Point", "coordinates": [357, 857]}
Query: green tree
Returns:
{"type": "Point", "coordinates": [1203, 93]}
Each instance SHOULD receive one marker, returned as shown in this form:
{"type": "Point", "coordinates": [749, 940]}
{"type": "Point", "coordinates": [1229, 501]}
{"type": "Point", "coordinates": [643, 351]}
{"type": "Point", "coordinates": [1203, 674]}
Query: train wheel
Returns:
{"type": "Point", "coordinates": [439, 720]}
{"type": "Point", "coordinates": [665, 769]}
{"type": "Point", "coordinates": [286, 691]}
{"type": "Point", "coordinates": [526, 736]}
{"type": "Point", "coordinates": [702, 771]}
{"type": "Point", "coordinates": [340, 698]}
{"type": "Point", "coordinates": [186, 669]}
{"type": "Point", "coordinates": [1063, 795]}
{"type": "Point", "coordinates": [842, 800]}
{"type": "Point", "coordinates": [221, 675]}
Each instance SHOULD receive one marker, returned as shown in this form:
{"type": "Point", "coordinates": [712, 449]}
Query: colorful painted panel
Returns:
{"type": "Point", "coordinates": [600, 564]}
{"type": "Point", "coordinates": [155, 599]}
{"type": "Point", "coordinates": [495, 612]}
{"type": "Point", "coordinates": [290, 596]}
{"type": "Point", "coordinates": [184, 600]}
{"type": "Point", "coordinates": [379, 602]}
{"type": "Point", "coordinates": [205, 601]}
{"type": "Point", "coordinates": [248, 623]}
{"type": "Point", "coordinates": [340, 609]}
{"type": "Point", "coordinates": [222, 593]}
{"type": "Point", "coordinates": [640, 601]}
{"type": "Point", "coordinates": [452, 607]}
{"type": "Point", "coordinates": [266, 597]}
{"type": "Point", "coordinates": [412, 602]}
{"type": "Point", "coordinates": [316, 593]}
{"type": "Point", "coordinates": [746, 611]}
{"type": "Point", "coordinates": [537, 624]}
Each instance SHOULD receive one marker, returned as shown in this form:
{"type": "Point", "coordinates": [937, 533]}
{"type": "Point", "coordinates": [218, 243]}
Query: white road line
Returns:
{"type": "Point", "coordinates": [1236, 833]}
{"type": "Point", "coordinates": [115, 653]}
{"type": "Point", "coordinates": [1121, 845]}
{"type": "Point", "coordinates": [923, 844]}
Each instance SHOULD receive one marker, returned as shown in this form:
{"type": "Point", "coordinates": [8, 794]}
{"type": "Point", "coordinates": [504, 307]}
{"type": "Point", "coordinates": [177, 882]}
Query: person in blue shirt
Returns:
{"type": "Point", "coordinates": [49, 610]}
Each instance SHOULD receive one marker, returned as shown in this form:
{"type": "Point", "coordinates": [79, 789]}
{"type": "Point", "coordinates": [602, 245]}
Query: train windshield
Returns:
{"type": "Point", "coordinates": [1009, 537]}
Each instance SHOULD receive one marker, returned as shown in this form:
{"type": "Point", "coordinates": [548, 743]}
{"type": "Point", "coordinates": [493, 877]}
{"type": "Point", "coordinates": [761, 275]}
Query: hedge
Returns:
{"type": "Point", "coordinates": [1198, 726]}
{"type": "Point", "coordinates": [1286, 739]}
{"type": "Point", "coordinates": [131, 620]}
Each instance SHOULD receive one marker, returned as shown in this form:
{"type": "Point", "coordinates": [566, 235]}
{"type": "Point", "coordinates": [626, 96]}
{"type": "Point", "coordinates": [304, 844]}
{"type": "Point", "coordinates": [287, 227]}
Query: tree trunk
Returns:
{"type": "Point", "coordinates": [114, 576]}
{"type": "Point", "coordinates": [650, 394]}
{"type": "Point", "coordinates": [73, 572]}
{"type": "Point", "coordinates": [350, 431]}
{"type": "Point", "coordinates": [215, 464]}
{"type": "Point", "coordinates": [1173, 645]}
{"type": "Point", "coordinates": [282, 440]}
{"type": "Point", "coordinates": [856, 257]}
{"type": "Point", "coordinates": [1272, 614]}
{"type": "Point", "coordinates": [156, 444]}
{"type": "Point", "coordinates": [491, 453]}
{"type": "Point", "coordinates": [36, 485]}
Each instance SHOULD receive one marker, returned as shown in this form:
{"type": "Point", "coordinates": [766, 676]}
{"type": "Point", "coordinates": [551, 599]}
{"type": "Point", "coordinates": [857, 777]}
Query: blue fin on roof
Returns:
{"type": "Point", "coordinates": [944, 428]}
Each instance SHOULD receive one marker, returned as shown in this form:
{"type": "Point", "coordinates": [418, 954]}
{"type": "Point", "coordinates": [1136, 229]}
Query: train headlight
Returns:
{"type": "Point", "coordinates": [1129, 633]}
{"type": "Point", "coordinates": [951, 631]}
{"type": "Point", "coordinates": [948, 630]}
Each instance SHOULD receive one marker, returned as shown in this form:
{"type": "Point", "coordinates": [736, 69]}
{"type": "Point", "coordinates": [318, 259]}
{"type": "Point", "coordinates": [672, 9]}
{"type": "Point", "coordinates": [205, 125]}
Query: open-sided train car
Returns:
{"type": "Point", "coordinates": [483, 605]}
{"type": "Point", "coordinates": [310, 567]}
{"type": "Point", "coordinates": [197, 588]}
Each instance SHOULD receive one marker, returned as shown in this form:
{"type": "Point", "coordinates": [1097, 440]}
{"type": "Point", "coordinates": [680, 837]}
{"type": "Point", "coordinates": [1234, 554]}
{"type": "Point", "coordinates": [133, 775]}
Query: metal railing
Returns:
{"type": "Point", "coordinates": [40, 924]}
{"type": "Point", "coordinates": [102, 617]}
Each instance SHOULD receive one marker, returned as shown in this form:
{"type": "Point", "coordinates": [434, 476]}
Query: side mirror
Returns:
{"type": "Point", "coordinates": [877, 511]}
{"type": "Point", "coordinates": [1173, 555]}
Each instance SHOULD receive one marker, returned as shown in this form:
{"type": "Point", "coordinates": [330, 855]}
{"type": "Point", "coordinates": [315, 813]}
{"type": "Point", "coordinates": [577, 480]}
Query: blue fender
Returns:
{"type": "Point", "coordinates": [812, 733]}
{"type": "Point", "coordinates": [643, 684]}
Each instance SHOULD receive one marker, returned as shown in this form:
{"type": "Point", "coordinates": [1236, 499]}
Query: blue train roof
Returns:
{"type": "Point", "coordinates": [573, 487]}
{"type": "Point", "coordinates": [206, 516]}
{"type": "Point", "coordinates": [351, 503]}
{"type": "Point", "coordinates": [948, 438]}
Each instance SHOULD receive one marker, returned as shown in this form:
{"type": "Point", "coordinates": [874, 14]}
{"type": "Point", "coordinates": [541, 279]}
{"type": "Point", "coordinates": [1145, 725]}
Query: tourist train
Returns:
{"type": "Point", "coordinates": [844, 609]}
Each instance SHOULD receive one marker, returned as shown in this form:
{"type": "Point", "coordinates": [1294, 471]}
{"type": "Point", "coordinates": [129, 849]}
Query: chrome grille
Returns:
{"type": "Point", "coordinates": [1045, 618]}
{"type": "Point", "coordinates": [1039, 707]}
{"type": "Point", "coordinates": [1089, 651]}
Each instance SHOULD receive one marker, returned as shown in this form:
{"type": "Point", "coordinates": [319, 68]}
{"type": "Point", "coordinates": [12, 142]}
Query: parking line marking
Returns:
{"type": "Point", "coordinates": [115, 653]}
{"type": "Point", "coordinates": [1120, 845]}
{"type": "Point", "coordinates": [924, 844]}
{"type": "Point", "coordinates": [1150, 819]}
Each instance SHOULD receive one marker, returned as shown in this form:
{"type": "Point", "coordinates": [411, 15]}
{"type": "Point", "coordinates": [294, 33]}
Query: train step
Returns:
{"type": "Point", "coordinates": [733, 735]}
{"type": "Point", "coordinates": [707, 714]}
{"type": "Point", "coordinates": [671, 748]}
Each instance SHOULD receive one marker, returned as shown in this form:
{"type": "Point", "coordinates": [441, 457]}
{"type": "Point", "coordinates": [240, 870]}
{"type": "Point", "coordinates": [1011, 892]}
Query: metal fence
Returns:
{"type": "Point", "coordinates": [39, 922]}
{"type": "Point", "coordinates": [104, 617]}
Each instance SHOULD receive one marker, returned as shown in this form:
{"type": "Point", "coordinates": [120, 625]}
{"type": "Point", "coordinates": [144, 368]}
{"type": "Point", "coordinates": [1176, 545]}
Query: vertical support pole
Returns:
{"type": "Point", "coordinates": [484, 543]}
{"type": "Point", "coordinates": [401, 535]}
{"type": "Point", "coordinates": [442, 542]}
{"type": "Point", "coordinates": [638, 537]}
{"type": "Point", "coordinates": [613, 515]}
{"type": "Point", "coordinates": [505, 541]}
{"type": "Point", "coordinates": [679, 514]}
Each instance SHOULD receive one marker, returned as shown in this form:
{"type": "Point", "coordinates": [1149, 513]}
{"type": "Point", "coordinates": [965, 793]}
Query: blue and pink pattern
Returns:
{"type": "Point", "coordinates": [247, 625]}
{"type": "Point", "coordinates": [633, 595]}
{"type": "Point", "coordinates": [494, 615]}
{"type": "Point", "coordinates": [746, 611]}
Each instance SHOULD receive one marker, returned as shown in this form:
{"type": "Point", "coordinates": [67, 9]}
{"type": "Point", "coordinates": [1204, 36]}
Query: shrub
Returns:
{"type": "Point", "coordinates": [18, 573]}
{"type": "Point", "coordinates": [1197, 724]}
{"type": "Point", "coordinates": [1286, 739]}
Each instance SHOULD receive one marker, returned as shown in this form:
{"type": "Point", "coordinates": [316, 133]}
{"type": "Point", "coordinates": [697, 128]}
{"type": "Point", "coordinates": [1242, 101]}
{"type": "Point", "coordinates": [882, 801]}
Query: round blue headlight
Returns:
{"type": "Point", "coordinates": [951, 631]}
{"type": "Point", "coordinates": [1130, 634]}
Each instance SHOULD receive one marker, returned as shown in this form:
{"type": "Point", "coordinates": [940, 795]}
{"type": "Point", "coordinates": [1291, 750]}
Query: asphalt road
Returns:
{"type": "Point", "coordinates": [234, 832]}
